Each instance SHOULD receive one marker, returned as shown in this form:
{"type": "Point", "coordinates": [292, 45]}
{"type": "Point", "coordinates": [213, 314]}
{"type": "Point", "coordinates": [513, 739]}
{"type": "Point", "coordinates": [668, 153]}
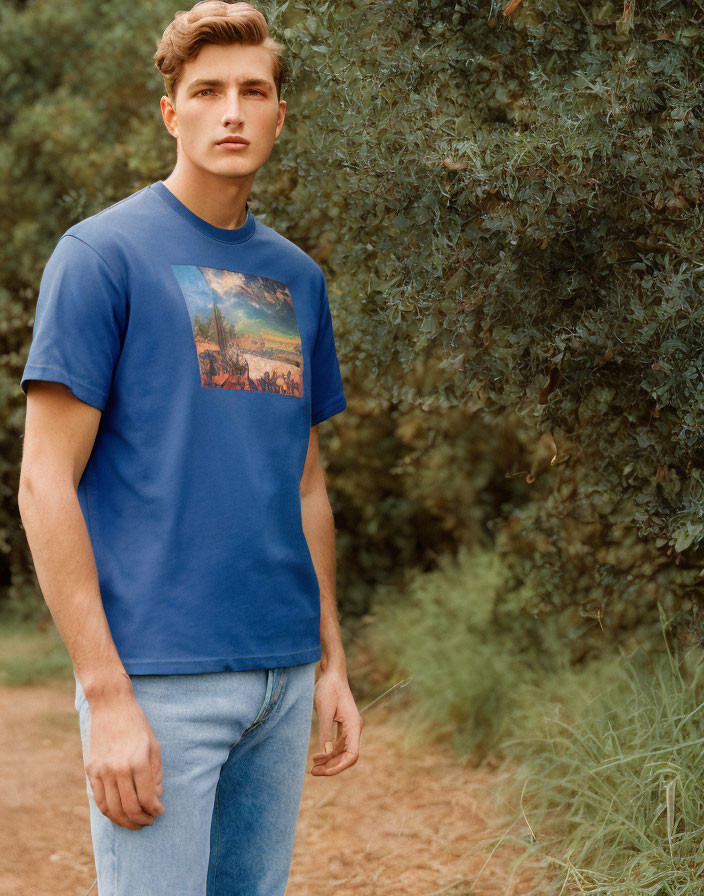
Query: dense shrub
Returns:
{"type": "Point", "coordinates": [508, 210]}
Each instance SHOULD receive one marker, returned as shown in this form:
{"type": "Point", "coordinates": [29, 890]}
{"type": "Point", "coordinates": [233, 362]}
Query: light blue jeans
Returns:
{"type": "Point", "coordinates": [233, 754]}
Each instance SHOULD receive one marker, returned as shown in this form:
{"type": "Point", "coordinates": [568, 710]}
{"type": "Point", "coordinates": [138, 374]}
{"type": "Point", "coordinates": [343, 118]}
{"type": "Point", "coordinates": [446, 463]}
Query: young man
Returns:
{"type": "Point", "coordinates": [173, 497]}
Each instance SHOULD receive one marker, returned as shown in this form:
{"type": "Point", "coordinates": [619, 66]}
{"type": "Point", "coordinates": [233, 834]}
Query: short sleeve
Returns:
{"type": "Point", "coordinates": [327, 395]}
{"type": "Point", "coordinates": [79, 323]}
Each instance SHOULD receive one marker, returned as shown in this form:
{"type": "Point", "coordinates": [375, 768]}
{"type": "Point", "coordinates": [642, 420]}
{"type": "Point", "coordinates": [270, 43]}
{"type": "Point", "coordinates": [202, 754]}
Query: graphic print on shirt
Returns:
{"type": "Point", "coordinates": [245, 330]}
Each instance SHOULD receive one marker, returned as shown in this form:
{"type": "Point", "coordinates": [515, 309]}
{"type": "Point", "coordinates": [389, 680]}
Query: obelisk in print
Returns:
{"type": "Point", "coordinates": [219, 330]}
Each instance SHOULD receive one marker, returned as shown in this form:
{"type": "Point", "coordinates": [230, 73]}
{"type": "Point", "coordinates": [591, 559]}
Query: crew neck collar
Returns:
{"type": "Point", "coordinates": [223, 234]}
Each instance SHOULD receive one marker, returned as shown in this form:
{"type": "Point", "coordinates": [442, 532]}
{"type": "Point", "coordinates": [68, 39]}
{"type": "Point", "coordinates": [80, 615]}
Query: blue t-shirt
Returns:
{"type": "Point", "coordinates": [210, 353]}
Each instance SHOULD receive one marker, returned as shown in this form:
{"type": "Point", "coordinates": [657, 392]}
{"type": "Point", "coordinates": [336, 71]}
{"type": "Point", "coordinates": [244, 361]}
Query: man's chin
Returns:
{"type": "Point", "coordinates": [220, 170]}
{"type": "Point", "coordinates": [235, 167]}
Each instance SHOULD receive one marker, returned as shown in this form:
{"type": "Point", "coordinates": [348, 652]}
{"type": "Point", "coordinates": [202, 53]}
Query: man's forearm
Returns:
{"type": "Point", "coordinates": [65, 566]}
{"type": "Point", "coordinates": [319, 530]}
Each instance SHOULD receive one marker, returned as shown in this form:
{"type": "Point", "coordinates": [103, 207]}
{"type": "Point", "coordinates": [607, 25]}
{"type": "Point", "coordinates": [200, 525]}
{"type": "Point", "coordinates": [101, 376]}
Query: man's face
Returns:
{"type": "Point", "coordinates": [227, 90]}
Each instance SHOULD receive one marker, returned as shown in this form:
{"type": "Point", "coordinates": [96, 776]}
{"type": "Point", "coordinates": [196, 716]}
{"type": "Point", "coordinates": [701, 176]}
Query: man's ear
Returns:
{"type": "Point", "coordinates": [168, 113]}
{"type": "Point", "coordinates": [281, 117]}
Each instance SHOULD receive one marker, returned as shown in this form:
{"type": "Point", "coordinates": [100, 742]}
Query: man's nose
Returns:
{"type": "Point", "coordinates": [233, 108]}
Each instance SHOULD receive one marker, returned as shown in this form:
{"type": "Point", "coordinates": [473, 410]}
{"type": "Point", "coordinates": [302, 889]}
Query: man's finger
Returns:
{"type": "Point", "coordinates": [147, 790]}
{"type": "Point", "coordinates": [115, 812]}
{"type": "Point", "coordinates": [352, 733]}
{"type": "Point", "coordinates": [333, 768]}
{"type": "Point", "coordinates": [324, 757]}
{"type": "Point", "coordinates": [326, 734]}
{"type": "Point", "coordinates": [155, 759]}
{"type": "Point", "coordinates": [130, 801]}
{"type": "Point", "coordinates": [98, 791]}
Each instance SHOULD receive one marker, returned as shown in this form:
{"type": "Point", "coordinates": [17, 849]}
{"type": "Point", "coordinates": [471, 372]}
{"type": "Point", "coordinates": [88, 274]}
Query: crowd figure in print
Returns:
{"type": "Point", "coordinates": [238, 369]}
{"type": "Point", "coordinates": [213, 364]}
{"type": "Point", "coordinates": [273, 381]}
{"type": "Point", "coordinates": [209, 367]}
{"type": "Point", "coordinates": [283, 383]}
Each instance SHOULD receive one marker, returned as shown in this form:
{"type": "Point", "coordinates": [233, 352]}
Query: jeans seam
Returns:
{"type": "Point", "coordinates": [265, 704]}
{"type": "Point", "coordinates": [268, 707]}
{"type": "Point", "coordinates": [217, 834]}
{"type": "Point", "coordinates": [278, 694]}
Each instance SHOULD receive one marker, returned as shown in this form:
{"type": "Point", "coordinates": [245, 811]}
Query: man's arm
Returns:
{"type": "Point", "coordinates": [319, 529]}
{"type": "Point", "coordinates": [334, 701]}
{"type": "Point", "coordinates": [59, 436]}
{"type": "Point", "coordinates": [124, 766]}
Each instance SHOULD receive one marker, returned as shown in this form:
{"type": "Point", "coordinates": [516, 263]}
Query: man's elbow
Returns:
{"type": "Point", "coordinates": [313, 483]}
{"type": "Point", "coordinates": [314, 492]}
{"type": "Point", "coordinates": [36, 487]}
{"type": "Point", "coordinates": [25, 490]}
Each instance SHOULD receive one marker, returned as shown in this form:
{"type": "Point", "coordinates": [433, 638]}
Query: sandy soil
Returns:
{"type": "Point", "coordinates": [398, 823]}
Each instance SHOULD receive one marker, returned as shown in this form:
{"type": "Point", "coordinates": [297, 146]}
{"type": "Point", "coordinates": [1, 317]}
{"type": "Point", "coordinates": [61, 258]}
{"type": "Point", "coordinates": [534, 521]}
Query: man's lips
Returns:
{"type": "Point", "coordinates": [233, 141]}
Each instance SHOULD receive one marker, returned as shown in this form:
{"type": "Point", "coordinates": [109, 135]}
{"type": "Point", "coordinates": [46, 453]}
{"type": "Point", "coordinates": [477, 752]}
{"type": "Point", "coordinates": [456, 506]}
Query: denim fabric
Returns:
{"type": "Point", "coordinates": [233, 750]}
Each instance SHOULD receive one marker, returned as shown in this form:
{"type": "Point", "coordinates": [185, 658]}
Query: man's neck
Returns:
{"type": "Point", "coordinates": [220, 201]}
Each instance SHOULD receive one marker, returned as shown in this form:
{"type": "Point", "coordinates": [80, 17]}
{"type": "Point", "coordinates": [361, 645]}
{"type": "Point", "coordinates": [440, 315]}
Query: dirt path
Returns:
{"type": "Point", "coordinates": [398, 823]}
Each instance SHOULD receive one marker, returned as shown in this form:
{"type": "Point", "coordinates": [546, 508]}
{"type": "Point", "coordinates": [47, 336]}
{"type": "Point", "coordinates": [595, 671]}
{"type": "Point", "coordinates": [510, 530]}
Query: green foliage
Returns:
{"type": "Point", "coordinates": [609, 776]}
{"type": "Point", "coordinates": [521, 234]}
{"type": "Point", "coordinates": [602, 760]}
{"type": "Point", "coordinates": [557, 278]}
{"type": "Point", "coordinates": [508, 211]}
{"type": "Point", "coordinates": [468, 647]}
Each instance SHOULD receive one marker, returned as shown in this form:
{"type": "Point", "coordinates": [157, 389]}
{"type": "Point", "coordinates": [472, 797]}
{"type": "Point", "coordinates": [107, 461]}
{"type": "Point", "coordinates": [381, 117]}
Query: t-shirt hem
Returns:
{"type": "Point", "coordinates": [339, 403]}
{"type": "Point", "coordinates": [221, 664]}
{"type": "Point", "coordinates": [82, 391]}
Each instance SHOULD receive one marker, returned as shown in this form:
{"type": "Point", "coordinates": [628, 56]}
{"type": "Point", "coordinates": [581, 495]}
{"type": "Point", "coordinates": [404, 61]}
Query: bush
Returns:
{"type": "Point", "coordinates": [468, 648]}
{"type": "Point", "coordinates": [508, 213]}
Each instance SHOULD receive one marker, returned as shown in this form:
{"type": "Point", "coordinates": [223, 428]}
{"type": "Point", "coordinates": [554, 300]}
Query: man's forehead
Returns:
{"type": "Point", "coordinates": [203, 67]}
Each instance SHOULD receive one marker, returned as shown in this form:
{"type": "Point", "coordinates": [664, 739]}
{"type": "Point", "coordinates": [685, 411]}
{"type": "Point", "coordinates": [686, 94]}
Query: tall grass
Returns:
{"type": "Point", "coordinates": [614, 775]}
{"type": "Point", "coordinates": [606, 760]}
{"type": "Point", "coordinates": [461, 637]}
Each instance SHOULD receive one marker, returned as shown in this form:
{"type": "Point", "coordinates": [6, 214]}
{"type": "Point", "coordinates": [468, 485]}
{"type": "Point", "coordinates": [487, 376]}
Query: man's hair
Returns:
{"type": "Point", "coordinates": [215, 22]}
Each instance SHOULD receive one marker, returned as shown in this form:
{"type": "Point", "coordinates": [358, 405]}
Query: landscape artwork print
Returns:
{"type": "Point", "coordinates": [245, 330]}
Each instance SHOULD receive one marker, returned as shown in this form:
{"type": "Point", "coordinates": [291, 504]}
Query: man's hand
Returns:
{"type": "Point", "coordinates": [334, 703]}
{"type": "Point", "coordinates": [123, 763]}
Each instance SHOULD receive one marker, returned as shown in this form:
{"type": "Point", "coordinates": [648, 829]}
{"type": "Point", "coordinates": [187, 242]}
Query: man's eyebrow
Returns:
{"type": "Point", "coordinates": [245, 82]}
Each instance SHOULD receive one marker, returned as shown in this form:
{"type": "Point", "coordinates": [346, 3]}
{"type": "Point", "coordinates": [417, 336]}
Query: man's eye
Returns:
{"type": "Point", "coordinates": [251, 90]}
